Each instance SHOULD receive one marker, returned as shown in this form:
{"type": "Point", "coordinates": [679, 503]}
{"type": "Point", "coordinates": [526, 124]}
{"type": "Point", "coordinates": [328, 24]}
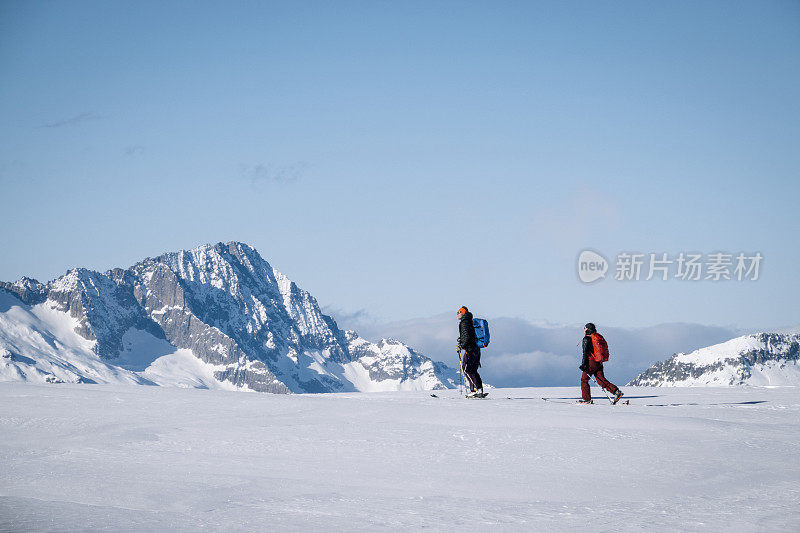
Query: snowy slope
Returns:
{"type": "Point", "coordinates": [218, 316]}
{"type": "Point", "coordinates": [119, 458]}
{"type": "Point", "coordinates": [759, 359]}
{"type": "Point", "coordinates": [39, 344]}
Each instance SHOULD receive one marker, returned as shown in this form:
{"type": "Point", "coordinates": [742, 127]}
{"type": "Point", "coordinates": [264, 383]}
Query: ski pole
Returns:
{"type": "Point", "coordinates": [460, 373]}
{"type": "Point", "coordinates": [601, 388]}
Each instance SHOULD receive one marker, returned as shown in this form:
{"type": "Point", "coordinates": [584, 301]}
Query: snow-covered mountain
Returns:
{"type": "Point", "coordinates": [759, 359]}
{"type": "Point", "coordinates": [218, 316]}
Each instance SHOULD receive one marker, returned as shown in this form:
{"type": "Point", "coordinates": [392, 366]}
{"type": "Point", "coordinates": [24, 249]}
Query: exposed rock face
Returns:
{"type": "Point", "coordinates": [760, 359]}
{"type": "Point", "coordinates": [227, 305]}
{"type": "Point", "coordinates": [27, 289]}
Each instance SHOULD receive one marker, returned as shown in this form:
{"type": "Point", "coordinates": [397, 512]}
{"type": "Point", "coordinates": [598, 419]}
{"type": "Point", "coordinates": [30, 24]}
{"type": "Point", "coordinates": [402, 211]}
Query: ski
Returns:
{"type": "Point", "coordinates": [569, 402]}
{"type": "Point", "coordinates": [480, 396]}
{"type": "Point", "coordinates": [576, 402]}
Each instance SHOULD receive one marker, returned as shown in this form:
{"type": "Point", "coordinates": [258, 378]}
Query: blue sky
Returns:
{"type": "Point", "coordinates": [401, 159]}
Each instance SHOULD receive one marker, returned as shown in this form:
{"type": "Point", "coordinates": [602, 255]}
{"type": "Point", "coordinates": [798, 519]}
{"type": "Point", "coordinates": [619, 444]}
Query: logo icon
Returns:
{"type": "Point", "coordinates": [591, 266]}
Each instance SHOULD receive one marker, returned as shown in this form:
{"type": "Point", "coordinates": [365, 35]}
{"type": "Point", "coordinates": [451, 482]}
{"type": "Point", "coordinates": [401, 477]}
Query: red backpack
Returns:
{"type": "Point", "coordinates": [600, 348]}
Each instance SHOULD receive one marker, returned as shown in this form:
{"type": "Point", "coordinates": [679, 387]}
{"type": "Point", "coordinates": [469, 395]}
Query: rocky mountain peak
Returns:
{"type": "Point", "coordinates": [247, 321]}
{"type": "Point", "coordinates": [759, 359]}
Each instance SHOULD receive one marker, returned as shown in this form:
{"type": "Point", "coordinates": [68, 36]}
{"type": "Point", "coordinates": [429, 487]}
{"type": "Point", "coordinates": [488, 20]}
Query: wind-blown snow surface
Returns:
{"type": "Point", "coordinates": [78, 457]}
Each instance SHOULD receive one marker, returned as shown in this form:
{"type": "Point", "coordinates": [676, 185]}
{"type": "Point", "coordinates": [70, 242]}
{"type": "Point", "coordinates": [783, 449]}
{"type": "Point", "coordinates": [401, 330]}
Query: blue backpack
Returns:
{"type": "Point", "coordinates": [481, 332]}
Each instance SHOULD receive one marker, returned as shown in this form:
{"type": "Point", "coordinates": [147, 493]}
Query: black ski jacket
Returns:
{"type": "Point", "coordinates": [466, 333]}
{"type": "Point", "coordinates": [588, 351]}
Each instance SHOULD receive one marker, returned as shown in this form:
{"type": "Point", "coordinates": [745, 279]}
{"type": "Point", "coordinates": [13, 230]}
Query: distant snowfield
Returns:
{"type": "Point", "coordinates": [133, 458]}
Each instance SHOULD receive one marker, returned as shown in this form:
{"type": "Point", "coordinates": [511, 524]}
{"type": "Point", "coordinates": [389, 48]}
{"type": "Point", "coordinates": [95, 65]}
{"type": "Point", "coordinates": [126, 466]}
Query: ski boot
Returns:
{"type": "Point", "coordinates": [617, 395]}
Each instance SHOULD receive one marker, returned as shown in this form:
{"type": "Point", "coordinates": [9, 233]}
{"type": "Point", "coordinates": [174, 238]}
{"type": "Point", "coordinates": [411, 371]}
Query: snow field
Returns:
{"type": "Point", "coordinates": [123, 458]}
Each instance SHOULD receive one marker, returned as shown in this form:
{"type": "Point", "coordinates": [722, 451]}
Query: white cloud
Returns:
{"type": "Point", "coordinates": [523, 353]}
{"type": "Point", "coordinates": [266, 173]}
{"type": "Point", "coordinates": [72, 121]}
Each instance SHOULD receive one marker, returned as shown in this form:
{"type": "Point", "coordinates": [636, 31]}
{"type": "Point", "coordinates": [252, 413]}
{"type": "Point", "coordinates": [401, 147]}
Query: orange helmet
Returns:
{"type": "Point", "coordinates": [463, 310]}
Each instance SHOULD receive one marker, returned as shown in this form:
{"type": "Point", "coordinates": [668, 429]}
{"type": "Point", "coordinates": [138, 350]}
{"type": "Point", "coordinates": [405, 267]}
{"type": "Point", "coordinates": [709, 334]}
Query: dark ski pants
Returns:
{"type": "Point", "coordinates": [472, 360]}
{"type": "Point", "coordinates": [596, 369]}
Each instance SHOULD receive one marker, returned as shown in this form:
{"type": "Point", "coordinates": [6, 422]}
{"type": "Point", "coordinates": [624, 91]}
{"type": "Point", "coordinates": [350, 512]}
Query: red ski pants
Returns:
{"type": "Point", "coordinates": [596, 369]}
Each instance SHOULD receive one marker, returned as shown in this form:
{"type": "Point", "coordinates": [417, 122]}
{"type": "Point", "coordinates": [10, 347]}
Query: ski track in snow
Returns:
{"type": "Point", "coordinates": [127, 458]}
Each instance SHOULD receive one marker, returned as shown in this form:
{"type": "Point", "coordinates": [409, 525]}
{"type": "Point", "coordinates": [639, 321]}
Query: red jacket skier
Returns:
{"type": "Point", "coordinates": [592, 364]}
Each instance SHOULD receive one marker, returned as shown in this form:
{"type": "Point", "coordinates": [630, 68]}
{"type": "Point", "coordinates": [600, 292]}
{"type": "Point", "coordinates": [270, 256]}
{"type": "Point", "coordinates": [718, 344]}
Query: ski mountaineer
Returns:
{"type": "Point", "coordinates": [592, 365]}
{"type": "Point", "coordinates": [472, 353]}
